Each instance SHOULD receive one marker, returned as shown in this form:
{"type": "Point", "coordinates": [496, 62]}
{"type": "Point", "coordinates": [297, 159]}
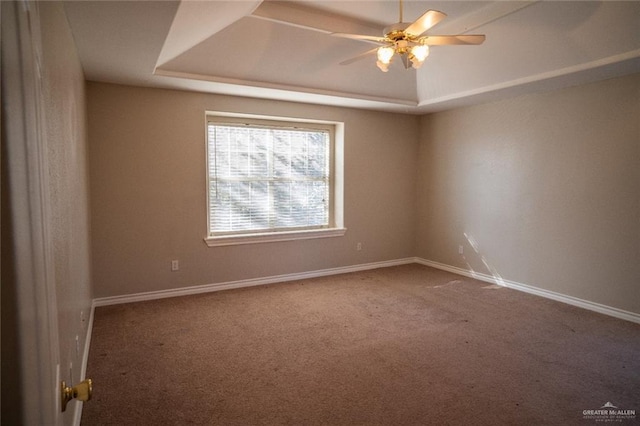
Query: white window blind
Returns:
{"type": "Point", "coordinates": [266, 178]}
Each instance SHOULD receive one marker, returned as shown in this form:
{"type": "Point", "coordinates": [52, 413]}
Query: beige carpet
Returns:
{"type": "Point", "coordinates": [406, 345]}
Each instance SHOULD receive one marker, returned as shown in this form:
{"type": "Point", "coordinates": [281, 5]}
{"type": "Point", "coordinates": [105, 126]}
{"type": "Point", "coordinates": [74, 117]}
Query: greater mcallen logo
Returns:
{"type": "Point", "coordinates": [609, 413]}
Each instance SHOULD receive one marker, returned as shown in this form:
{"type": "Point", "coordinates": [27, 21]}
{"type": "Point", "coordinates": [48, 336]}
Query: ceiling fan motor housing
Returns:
{"type": "Point", "coordinates": [396, 32]}
{"type": "Point", "coordinates": [401, 40]}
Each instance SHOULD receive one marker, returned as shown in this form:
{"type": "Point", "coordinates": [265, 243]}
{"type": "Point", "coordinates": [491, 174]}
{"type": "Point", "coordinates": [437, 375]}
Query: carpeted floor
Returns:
{"type": "Point", "coordinates": [407, 345]}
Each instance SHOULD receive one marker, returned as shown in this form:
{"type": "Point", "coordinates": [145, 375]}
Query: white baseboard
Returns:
{"type": "Point", "coordinates": [207, 288]}
{"type": "Point", "coordinates": [570, 300]}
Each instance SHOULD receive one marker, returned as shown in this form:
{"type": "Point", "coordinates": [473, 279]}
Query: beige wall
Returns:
{"type": "Point", "coordinates": [66, 140]}
{"type": "Point", "coordinates": [148, 191]}
{"type": "Point", "coordinates": [547, 186]}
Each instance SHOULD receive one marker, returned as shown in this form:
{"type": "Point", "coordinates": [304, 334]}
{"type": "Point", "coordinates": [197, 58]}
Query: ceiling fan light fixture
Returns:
{"type": "Point", "coordinates": [418, 54]}
{"type": "Point", "coordinates": [385, 53]}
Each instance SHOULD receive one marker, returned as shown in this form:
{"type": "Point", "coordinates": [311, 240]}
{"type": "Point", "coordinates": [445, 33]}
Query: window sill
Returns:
{"type": "Point", "coordinates": [233, 240]}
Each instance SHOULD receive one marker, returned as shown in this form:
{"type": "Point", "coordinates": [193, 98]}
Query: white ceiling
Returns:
{"type": "Point", "coordinates": [284, 50]}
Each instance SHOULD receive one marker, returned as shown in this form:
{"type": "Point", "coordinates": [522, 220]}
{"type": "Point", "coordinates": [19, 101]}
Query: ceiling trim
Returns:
{"type": "Point", "coordinates": [622, 63]}
{"type": "Point", "coordinates": [284, 87]}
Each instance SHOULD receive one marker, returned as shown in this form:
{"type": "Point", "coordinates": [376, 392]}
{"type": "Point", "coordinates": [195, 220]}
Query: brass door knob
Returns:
{"type": "Point", "coordinates": [82, 392]}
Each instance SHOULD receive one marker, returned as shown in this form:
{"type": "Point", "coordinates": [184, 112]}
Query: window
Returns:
{"type": "Point", "coordinates": [270, 179]}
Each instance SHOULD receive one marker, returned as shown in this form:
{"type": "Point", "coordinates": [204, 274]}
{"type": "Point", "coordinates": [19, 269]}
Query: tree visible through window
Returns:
{"type": "Point", "coordinates": [268, 177]}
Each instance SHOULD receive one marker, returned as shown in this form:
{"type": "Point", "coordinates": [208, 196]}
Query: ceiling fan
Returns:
{"type": "Point", "coordinates": [407, 41]}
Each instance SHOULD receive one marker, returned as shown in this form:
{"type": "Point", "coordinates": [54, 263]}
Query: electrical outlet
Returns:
{"type": "Point", "coordinates": [460, 250]}
{"type": "Point", "coordinates": [359, 246]}
{"type": "Point", "coordinates": [175, 265]}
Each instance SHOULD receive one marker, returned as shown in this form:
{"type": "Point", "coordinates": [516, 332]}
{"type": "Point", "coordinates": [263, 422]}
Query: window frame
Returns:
{"type": "Point", "coordinates": [335, 226]}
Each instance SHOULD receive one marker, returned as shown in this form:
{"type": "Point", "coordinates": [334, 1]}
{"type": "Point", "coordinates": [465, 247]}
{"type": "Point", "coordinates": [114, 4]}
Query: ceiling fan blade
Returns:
{"type": "Point", "coordinates": [442, 40]}
{"type": "Point", "coordinates": [359, 57]}
{"type": "Point", "coordinates": [426, 21]}
{"type": "Point", "coordinates": [361, 37]}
